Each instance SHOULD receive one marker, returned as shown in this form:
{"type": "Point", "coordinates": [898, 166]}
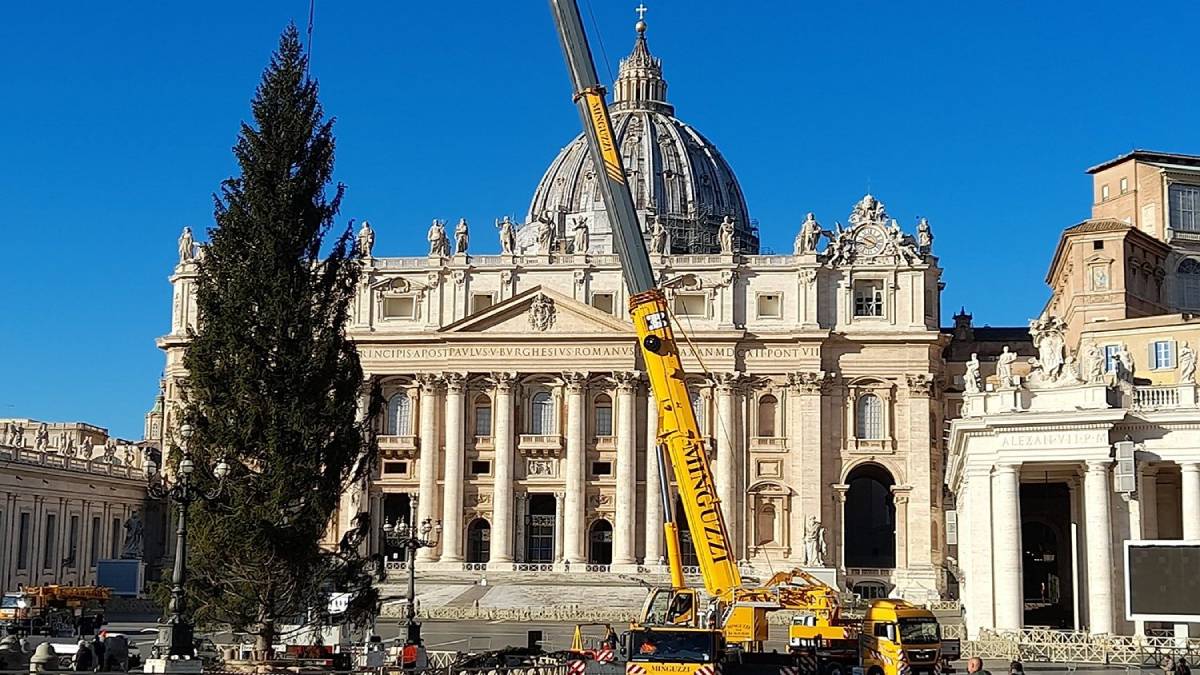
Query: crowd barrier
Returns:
{"type": "Point", "coordinates": [1046, 645]}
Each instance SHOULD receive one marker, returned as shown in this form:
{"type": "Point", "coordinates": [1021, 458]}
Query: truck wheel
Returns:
{"type": "Point", "coordinates": [834, 668]}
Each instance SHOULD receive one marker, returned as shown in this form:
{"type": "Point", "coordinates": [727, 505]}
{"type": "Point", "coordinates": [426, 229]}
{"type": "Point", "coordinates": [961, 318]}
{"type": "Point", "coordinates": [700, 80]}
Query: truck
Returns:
{"type": "Point", "coordinates": [893, 637]}
{"type": "Point", "coordinates": [54, 610]}
{"type": "Point", "coordinates": [681, 631]}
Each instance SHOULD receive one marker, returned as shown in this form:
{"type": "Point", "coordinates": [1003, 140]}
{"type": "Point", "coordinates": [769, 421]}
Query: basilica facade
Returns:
{"type": "Point", "coordinates": [518, 414]}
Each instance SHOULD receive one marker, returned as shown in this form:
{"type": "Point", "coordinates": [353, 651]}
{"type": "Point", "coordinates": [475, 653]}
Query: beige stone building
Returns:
{"type": "Point", "coordinates": [518, 416]}
{"type": "Point", "coordinates": [67, 492]}
{"type": "Point", "coordinates": [1042, 504]}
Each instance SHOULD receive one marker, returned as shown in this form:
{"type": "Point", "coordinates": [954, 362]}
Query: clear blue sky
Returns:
{"type": "Point", "coordinates": [119, 118]}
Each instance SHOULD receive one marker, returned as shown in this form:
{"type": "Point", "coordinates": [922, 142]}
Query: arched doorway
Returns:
{"type": "Point", "coordinates": [600, 543]}
{"type": "Point", "coordinates": [869, 530]}
{"type": "Point", "coordinates": [397, 508]}
{"type": "Point", "coordinates": [687, 550]}
{"type": "Point", "coordinates": [479, 541]}
{"type": "Point", "coordinates": [539, 529]}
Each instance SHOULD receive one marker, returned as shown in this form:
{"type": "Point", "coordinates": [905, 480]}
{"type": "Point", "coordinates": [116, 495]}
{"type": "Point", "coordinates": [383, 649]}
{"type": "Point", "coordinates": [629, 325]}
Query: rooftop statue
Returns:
{"type": "Point", "coordinates": [660, 242]}
{"type": "Point", "coordinates": [726, 235]}
{"type": "Point", "coordinates": [365, 244]}
{"type": "Point", "coordinates": [461, 237]}
{"type": "Point", "coordinates": [545, 234]}
{"type": "Point", "coordinates": [924, 237]}
{"type": "Point", "coordinates": [580, 236]}
{"type": "Point", "coordinates": [187, 246]}
{"type": "Point", "coordinates": [971, 381]}
{"type": "Point", "coordinates": [809, 237]}
{"type": "Point", "coordinates": [439, 244]}
{"type": "Point", "coordinates": [508, 236]}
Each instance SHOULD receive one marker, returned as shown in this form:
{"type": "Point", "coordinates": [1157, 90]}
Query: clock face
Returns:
{"type": "Point", "coordinates": [870, 241]}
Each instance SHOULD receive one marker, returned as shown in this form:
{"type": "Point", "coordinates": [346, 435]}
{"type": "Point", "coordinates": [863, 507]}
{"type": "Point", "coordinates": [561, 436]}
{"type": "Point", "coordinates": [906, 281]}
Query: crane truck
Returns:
{"type": "Point", "coordinates": [679, 632]}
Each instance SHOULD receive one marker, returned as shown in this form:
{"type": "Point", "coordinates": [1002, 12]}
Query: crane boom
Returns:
{"type": "Point", "coordinates": [678, 432]}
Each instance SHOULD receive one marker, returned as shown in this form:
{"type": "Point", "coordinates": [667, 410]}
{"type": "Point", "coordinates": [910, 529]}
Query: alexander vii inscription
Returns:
{"type": "Point", "coordinates": [453, 352]}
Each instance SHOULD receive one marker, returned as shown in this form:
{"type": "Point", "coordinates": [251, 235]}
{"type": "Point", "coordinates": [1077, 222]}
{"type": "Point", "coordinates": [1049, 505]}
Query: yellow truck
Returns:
{"type": "Point", "coordinates": [53, 610]}
{"type": "Point", "coordinates": [895, 637]}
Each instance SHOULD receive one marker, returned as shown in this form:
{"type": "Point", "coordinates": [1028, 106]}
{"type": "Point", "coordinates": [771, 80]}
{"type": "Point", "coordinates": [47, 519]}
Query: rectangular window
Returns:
{"type": "Point", "coordinates": [480, 302]}
{"type": "Point", "coordinates": [115, 543]}
{"type": "Point", "coordinates": [1162, 354]}
{"type": "Point", "coordinates": [94, 548]}
{"type": "Point", "coordinates": [395, 467]}
{"type": "Point", "coordinates": [1124, 185]}
{"type": "Point", "coordinates": [1097, 245]}
{"type": "Point", "coordinates": [400, 308]}
{"type": "Point", "coordinates": [1110, 357]}
{"type": "Point", "coordinates": [481, 467]}
{"type": "Point", "coordinates": [23, 542]}
{"type": "Point", "coordinates": [604, 420]}
{"type": "Point", "coordinates": [770, 306]}
{"type": "Point", "coordinates": [691, 304]}
{"type": "Point", "coordinates": [1185, 208]}
{"type": "Point", "coordinates": [868, 298]}
{"type": "Point", "coordinates": [604, 302]}
{"type": "Point", "coordinates": [483, 420]}
{"type": "Point", "coordinates": [1103, 192]}
{"type": "Point", "coordinates": [601, 468]}
{"type": "Point", "coordinates": [48, 548]}
{"type": "Point", "coordinates": [73, 542]}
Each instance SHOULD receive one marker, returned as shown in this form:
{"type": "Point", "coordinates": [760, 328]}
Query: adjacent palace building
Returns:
{"type": "Point", "coordinates": [914, 461]}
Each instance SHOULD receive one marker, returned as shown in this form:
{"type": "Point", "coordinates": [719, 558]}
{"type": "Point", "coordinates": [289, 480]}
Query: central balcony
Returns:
{"type": "Point", "coordinates": [540, 445]}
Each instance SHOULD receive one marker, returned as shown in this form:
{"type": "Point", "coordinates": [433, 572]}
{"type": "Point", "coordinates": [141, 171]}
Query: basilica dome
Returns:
{"type": "Point", "coordinates": [675, 173]}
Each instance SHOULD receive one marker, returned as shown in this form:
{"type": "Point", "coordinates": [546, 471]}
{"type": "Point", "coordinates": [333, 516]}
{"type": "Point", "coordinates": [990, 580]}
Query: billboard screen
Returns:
{"type": "Point", "coordinates": [1161, 583]}
{"type": "Point", "coordinates": [124, 577]}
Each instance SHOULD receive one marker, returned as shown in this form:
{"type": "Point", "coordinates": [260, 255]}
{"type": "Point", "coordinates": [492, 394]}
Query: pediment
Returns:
{"type": "Point", "coordinates": [540, 310]}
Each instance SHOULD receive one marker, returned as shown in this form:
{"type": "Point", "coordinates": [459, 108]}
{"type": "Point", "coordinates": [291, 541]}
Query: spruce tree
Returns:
{"type": "Point", "coordinates": [273, 384]}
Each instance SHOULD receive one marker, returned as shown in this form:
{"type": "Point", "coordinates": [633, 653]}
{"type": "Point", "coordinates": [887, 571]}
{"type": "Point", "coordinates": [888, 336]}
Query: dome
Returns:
{"type": "Point", "coordinates": [675, 173]}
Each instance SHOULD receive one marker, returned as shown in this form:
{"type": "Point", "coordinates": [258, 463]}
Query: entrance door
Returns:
{"type": "Point", "coordinates": [539, 529]}
{"type": "Point", "coordinates": [600, 543]}
{"type": "Point", "coordinates": [397, 508]}
{"type": "Point", "coordinates": [479, 540]}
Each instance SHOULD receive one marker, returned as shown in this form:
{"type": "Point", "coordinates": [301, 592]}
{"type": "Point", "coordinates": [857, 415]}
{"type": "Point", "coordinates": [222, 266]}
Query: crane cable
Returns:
{"type": "Point", "coordinates": [600, 41]}
{"type": "Point", "coordinates": [312, 9]}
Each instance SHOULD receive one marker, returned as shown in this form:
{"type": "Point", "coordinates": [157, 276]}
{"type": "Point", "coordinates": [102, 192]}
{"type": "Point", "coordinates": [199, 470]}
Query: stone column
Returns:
{"type": "Point", "coordinates": [1006, 546]}
{"type": "Point", "coordinates": [839, 509]}
{"type": "Point", "coordinates": [559, 506]}
{"type": "Point", "coordinates": [521, 516]}
{"type": "Point", "coordinates": [900, 495]}
{"type": "Point", "coordinates": [1148, 496]}
{"type": "Point", "coordinates": [1189, 474]}
{"type": "Point", "coordinates": [727, 455]}
{"type": "Point", "coordinates": [500, 551]}
{"type": "Point", "coordinates": [452, 486]}
{"type": "Point", "coordinates": [1099, 549]}
{"type": "Point", "coordinates": [375, 542]}
{"type": "Point", "coordinates": [574, 539]}
{"type": "Point", "coordinates": [624, 531]}
{"type": "Point", "coordinates": [975, 535]}
{"type": "Point", "coordinates": [805, 440]}
{"type": "Point", "coordinates": [654, 510]}
{"type": "Point", "coordinates": [428, 469]}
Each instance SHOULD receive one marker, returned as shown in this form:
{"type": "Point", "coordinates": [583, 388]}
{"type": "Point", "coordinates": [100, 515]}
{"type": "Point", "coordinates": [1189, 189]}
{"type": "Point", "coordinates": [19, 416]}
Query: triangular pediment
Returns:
{"type": "Point", "coordinates": [540, 311]}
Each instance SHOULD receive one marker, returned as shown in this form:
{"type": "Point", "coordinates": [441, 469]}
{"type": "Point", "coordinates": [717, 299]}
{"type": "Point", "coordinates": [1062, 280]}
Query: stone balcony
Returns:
{"type": "Point", "coordinates": [399, 447]}
{"type": "Point", "coordinates": [1098, 396]}
{"type": "Point", "coordinates": [768, 444]}
{"type": "Point", "coordinates": [540, 445]}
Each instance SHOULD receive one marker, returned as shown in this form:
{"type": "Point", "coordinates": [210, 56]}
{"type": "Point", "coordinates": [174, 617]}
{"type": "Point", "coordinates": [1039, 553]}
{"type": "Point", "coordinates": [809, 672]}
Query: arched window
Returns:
{"type": "Point", "coordinates": [698, 410]}
{"type": "Point", "coordinates": [483, 415]}
{"type": "Point", "coordinates": [542, 422]}
{"type": "Point", "coordinates": [868, 418]}
{"type": "Point", "coordinates": [768, 406]}
{"type": "Point", "coordinates": [1187, 280]}
{"type": "Point", "coordinates": [399, 417]}
{"type": "Point", "coordinates": [603, 410]}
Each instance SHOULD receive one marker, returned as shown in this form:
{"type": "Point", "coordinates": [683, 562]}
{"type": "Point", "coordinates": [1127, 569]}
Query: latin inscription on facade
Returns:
{"type": "Point", "coordinates": [443, 352]}
{"type": "Point", "coordinates": [1054, 439]}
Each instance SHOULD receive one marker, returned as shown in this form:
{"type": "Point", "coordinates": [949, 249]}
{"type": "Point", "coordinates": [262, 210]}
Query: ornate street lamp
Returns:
{"type": "Point", "coordinates": [176, 633]}
{"type": "Point", "coordinates": [411, 538]}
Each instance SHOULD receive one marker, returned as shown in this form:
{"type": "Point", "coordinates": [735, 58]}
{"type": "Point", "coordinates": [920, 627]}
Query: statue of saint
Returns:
{"type": "Point", "coordinates": [460, 237]}
{"type": "Point", "coordinates": [16, 434]}
{"type": "Point", "coordinates": [545, 234]}
{"type": "Point", "coordinates": [1095, 364]}
{"type": "Point", "coordinates": [68, 446]}
{"type": "Point", "coordinates": [971, 380]}
{"type": "Point", "coordinates": [365, 243]}
{"type": "Point", "coordinates": [1004, 367]}
{"type": "Point", "coordinates": [1187, 364]}
{"type": "Point", "coordinates": [1125, 368]}
{"type": "Point", "coordinates": [439, 244]}
{"type": "Point", "coordinates": [581, 236]}
{"type": "Point", "coordinates": [814, 543]}
{"type": "Point", "coordinates": [508, 236]}
{"type": "Point", "coordinates": [133, 537]}
{"type": "Point", "coordinates": [41, 438]}
{"type": "Point", "coordinates": [809, 236]}
{"type": "Point", "coordinates": [1051, 346]}
{"type": "Point", "coordinates": [659, 241]}
{"type": "Point", "coordinates": [924, 237]}
{"type": "Point", "coordinates": [187, 246]}
{"type": "Point", "coordinates": [725, 234]}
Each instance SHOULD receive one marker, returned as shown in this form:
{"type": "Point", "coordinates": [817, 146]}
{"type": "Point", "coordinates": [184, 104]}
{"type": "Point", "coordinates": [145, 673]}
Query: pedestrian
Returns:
{"type": "Point", "coordinates": [1181, 667]}
{"type": "Point", "coordinates": [975, 665]}
{"type": "Point", "coordinates": [610, 637]}
{"type": "Point", "coordinates": [84, 659]}
{"type": "Point", "coordinates": [1015, 668]}
{"type": "Point", "coordinates": [98, 649]}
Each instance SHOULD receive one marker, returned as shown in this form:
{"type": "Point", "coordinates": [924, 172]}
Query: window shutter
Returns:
{"type": "Point", "coordinates": [952, 528]}
{"type": "Point", "coordinates": [1152, 356]}
{"type": "Point", "coordinates": [1171, 353]}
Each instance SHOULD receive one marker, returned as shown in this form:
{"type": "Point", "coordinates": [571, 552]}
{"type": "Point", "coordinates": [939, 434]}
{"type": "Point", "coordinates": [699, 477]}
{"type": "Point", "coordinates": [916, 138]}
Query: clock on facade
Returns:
{"type": "Point", "coordinates": [870, 240]}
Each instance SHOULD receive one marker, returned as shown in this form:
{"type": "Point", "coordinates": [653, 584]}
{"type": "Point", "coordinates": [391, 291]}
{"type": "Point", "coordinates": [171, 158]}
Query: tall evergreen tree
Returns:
{"type": "Point", "coordinates": [273, 383]}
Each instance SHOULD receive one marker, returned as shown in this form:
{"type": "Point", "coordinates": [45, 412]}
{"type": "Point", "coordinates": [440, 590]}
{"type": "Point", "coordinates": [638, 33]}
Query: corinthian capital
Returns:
{"type": "Point", "coordinates": [921, 384]}
{"type": "Point", "coordinates": [456, 383]}
{"type": "Point", "coordinates": [574, 381]}
{"type": "Point", "coordinates": [503, 382]}
{"type": "Point", "coordinates": [808, 382]}
{"type": "Point", "coordinates": [627, 380]}
{"type": "Point", "coordinates": [430, 382]}
{"type": "Point", "coordinates": [726, 381]}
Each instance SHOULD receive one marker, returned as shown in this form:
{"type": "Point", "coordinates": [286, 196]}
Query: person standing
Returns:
{"type": "Point", "coordinates": [975, 665]}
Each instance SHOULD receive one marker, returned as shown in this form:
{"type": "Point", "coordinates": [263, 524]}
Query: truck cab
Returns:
{"type": "Point", "coordinates": [895, 634]}
{"type": "Point", "coordinates": [672, 650]}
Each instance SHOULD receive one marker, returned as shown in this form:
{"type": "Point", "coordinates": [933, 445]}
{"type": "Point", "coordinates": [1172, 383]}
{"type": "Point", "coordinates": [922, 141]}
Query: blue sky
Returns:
{"type": "Point", "coordinates": [120, 116]}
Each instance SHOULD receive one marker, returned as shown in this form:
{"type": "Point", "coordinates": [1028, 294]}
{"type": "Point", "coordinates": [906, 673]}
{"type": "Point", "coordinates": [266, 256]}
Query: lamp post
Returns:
{"type": "Point", "coordinates": [176, 633]}
{"type": "Point", "coordinates": [411, 538]}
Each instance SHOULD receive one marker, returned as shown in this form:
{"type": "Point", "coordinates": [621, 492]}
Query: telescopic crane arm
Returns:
{"type": "Point", "coordinates": [678, 432]}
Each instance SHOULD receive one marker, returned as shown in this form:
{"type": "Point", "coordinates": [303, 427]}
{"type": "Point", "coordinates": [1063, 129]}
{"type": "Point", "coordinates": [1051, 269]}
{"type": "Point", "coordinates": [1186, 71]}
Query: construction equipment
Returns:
{"type": "Point", "coordinates": [54, 610]}
{"type": "Point", "coordinates": [679, 632]}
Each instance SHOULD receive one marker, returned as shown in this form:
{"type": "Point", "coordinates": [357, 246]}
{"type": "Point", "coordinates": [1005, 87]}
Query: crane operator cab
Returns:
{"type": "Point", "coordinates": [671, 607]}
